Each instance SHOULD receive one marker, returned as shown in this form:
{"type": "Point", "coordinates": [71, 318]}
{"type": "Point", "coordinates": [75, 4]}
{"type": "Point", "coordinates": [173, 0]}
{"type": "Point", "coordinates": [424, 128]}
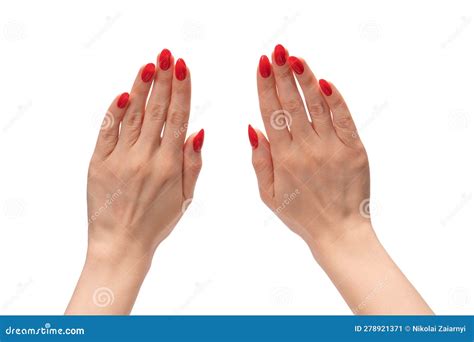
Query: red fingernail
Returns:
{"type": "Point", "coordinates": [280, 54]}
{"type": "Point", "coordinates": [180, 70]}
{"type": "Point", "coordinates": [325, 87]}
{"type": "Point", "coordinates": [198, 141]}
{"type": "Point", "coordinates": [296, 65]}
{"type": "Point", "coordinates": [253, 137]}
{"type": "Point", "coordinates": [164, 60]}
{"type": "Point", "coordinates": [123, 100]}
{"type": "Point", "coordinates": [264, 67]}
{"type": "Point", "coordinates": [148, 72]}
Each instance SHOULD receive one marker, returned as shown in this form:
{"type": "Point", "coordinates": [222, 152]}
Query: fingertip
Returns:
{"type": "Point", "coordinates": [280, 54]}
{"type": "Point", "coordinates": [264, 67]}
{"type": "Point", "coordinates": [148, 72]}
{"type": "Point", "coordinates": [253, 137]}
{"type": "Point", "coordinates": [198, 141]}
{"type": "Point", "coordinates": [296, 64]}
{"type": "Point", "coordinates": [325, 87]}
{"type": "Point", "coordinates": [164, 59]}
{"type": "Point", "coordinates": [122, 100]}
{"type": "Point", "coordinates": [181, 70]}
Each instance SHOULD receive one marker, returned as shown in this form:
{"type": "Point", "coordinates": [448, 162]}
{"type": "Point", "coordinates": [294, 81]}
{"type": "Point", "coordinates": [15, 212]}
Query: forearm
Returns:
{"type": "Point", "coordinates": [108, 285]}
{"type": "Point", "coordinates": [365, 275]}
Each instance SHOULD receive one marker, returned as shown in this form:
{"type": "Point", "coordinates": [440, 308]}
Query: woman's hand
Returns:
{"type": "Point", "coordinates": [313, 172]}
{"type": "Point", "coordinates": [139, 184]}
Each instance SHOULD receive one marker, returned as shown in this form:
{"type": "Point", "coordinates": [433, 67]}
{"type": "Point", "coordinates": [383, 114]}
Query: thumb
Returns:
{"type": "Point", "coordinates": [262, 164]}
{"type": "Point", "coordinates": [192, 162]}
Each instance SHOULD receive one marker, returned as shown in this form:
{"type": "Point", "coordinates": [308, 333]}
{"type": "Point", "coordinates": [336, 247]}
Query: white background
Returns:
{"type": "Point", "coordinates": [405, 69]}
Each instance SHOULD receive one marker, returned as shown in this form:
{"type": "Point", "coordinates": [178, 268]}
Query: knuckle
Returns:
{"type": "Point", "coordinates": [108, 138]}
{"type": "Point", "coordinates": [142, 169]}
{"type": "Point", "coordinates": [267, 92]}
{"type": "Point", "coordinates": [317, 109]}
{"type": "Point", "coordinates": [259, 164]}
{"type": "Point", "coordinates": [135, 167]}
{"type": "Point", "coordinates": [307, 80]}
{"type": "Point", "coordinates": [133, 119]}
{"type": "Point", "coordinates": [156, 111]}
{"type": "Point", "coordinates": [195, 166]}
{"type": "Point", "coordinates": [339, 104]}
{"type": "Point", "coordinates": [343, 122]}
{"type": "Point", "coordinates": [178, 116]}
{"type": "Point", "coordinates": [168, 168]}
{"type": "Point", "coordinates": [292, 105]}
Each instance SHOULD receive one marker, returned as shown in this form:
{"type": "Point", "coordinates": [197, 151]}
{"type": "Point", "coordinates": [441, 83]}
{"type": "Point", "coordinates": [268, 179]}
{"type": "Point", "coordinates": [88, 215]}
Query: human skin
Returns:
{"type": "Point", "coordinates": [141, 178]}
{"type": "Point", "coordinates": [313, 172]}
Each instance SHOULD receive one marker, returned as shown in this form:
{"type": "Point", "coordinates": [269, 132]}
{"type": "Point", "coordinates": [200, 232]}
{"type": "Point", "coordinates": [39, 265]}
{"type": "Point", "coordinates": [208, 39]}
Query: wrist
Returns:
{"type": "Point", "coordinates": [119, 255]}
{"type": "Point", "coordinates": [349, 240]}
{"type": "Point", "coordinates": [109, 282]}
